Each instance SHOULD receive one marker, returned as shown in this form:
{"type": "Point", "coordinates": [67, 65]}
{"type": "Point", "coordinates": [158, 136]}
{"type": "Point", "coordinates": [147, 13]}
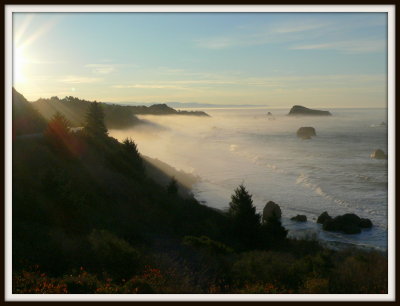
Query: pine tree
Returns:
{"type": "Point", "coordinates": [57, 132]}
{"type": "Point", "coordinates": [245, 220]}
{"type": "Point", "coordinates": [172, 187]}
{"type": "Point", "coordinates": [94, 125]}
{"type": "Point", "coordinates": [272, 232]}
{"type": "Point", "coordinates": [131, 147]}
{"type": "Point", "coordinates": [133, 153]}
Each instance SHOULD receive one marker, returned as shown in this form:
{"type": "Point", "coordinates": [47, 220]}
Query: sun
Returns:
{"type": "Point", "coordinates": [19, 64]}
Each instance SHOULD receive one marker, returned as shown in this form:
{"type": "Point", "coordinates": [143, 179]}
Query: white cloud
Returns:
{"type": "Point", "coordinates": [259, 35]}
{"type": "Point", "coordinates": [296, 27]}
{"type": "Point", "coordinates": [241, 82]}
{"type": "Point", "coordinates": [79, 79]}
{"type": "Point", "coordinates": [43, 62]}
{"type": "Point", "coordinates": [217, 42]}
{"type": "Point", "coordinates": [308, 34]}
{"type": "Point", "coordinates": [361, 46]}
{"type": "Point", "coordinates": [149, 86]}
{"type": "Point", "coordinates": [101, 68]}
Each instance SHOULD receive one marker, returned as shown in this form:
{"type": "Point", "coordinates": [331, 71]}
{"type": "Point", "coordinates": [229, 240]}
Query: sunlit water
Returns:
{"type": "Point", "coordinates": [331, 172]}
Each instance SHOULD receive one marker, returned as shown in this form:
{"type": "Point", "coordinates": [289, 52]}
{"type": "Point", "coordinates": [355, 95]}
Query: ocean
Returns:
{"type": "Point", "coordinates": [331, 172]}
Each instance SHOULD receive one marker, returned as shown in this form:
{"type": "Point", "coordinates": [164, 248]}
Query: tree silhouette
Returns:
{"type": "Point", "coordinates": [133, 153]}
{"type": "Point", "coordinates": [94, 125]}
{"type": "Point", "coordinates": [272, 231]}
{"type": "Point", "coordinates": [245, 220]}
{"type": "Point", "coordinates": [172, 187]}
{"type": "Point", "coordinates": [57, 132]}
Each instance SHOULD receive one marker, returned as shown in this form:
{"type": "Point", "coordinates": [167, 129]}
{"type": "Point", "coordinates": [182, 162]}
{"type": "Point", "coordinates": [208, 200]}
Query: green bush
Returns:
{"type": "Point", "coordinates": [360, 272]}
{"type": "Point", "coordinates": [36, 282]}
{"type": "Point", "coordinates": [281, 269]}
{"type": "Point", "coordinates": [206, 244]}
{"type": "Point", "coordinates": [83, 282]}
{"type": "Point", "coordinates": [113, 255]}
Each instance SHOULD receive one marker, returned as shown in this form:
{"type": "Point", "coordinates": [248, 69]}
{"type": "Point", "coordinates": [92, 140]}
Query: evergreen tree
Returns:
{"type": "Point", "coordinates": [272, 232]}
{"type": "Point", "coordinates": [131, 147]}
{"type": "Point", "coordinates": [57, 132]}
{"type": "Point", "coordinates": [94, 125]}
{"type": "Point", "coordinates": [172, 187]}
{"type": "Point", "coordinates": [133, 153]}
{"type": "Point", "coordinates": [245, 220]}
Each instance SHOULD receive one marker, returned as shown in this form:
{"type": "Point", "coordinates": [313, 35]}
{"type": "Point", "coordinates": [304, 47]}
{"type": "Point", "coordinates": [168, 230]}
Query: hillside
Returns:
{"type": "Point", "coordinates": [89, 218]}
{"type": "Point", "coordinates": [163, 109]}
{"type": "Point", "coordinates": [25, 118]}
{"type": "Point", "coordinates": [116, 116]}
{"type": "Point", "coordinates": [74, 109]}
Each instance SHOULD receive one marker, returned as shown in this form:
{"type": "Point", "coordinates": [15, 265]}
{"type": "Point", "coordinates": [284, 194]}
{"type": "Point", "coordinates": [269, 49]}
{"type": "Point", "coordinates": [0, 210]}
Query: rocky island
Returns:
{"type": "Point", "coordinates": [306, 132]}
{"type": "Point", "coordinates": [298, 110]}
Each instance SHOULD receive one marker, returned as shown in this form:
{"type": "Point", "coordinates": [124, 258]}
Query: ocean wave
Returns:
{"type": "Point", "coordinates": [364, 177]}
{"type": "Point", "coordinates": [257, 159]}
{"type": "Point", "coordinates": [233, 147]}
{"type": "Point", "coordinates": [305, 181]}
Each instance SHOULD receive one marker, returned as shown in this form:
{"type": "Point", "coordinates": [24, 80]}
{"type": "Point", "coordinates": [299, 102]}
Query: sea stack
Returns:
{"type": "Point", "coordinates": [299, 218]}
{"type": "Point", "coordinates": [306, 132]}
{"type": "Point", "coordinates": [379, 154]}
{"type": "Point", "coordinates": [271, 209]}
{"type": "Point", "coordinates": [347, 223]}
{"type": "Point", "coordinates": [299, 110]}
{"type": "Point", "coordinates": [270, 116]}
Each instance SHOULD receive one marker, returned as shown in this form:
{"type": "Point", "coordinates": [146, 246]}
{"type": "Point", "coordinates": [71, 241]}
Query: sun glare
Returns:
{"type": "Point", "coordinates": [19, 66]}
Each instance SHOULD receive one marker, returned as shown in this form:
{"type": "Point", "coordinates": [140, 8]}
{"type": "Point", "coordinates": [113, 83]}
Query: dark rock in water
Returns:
{"type": "Point", "coordinates": [365, 223]}
{"type": "Point", "coordinates": [336, 226]}
{"type": "Point", "coordinates": [347, 223]}
{"type": "Point", "coordinates": [270, 116]}
{"type": "Point", "coordinates": [306, 132]}
{"type": "Point", "coordinates": [299, 110]}
{"type": "Point", "coordinates": [271, 209]}
{"type": "Point", "coordinates": [324, 217]}
{"type": "Point", "coordinates": [379, 154]}
{"type": "Point", "coordinates": [299, 218]}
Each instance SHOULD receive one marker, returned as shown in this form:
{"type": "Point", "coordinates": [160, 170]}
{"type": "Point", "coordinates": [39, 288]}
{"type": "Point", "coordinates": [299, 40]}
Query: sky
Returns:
{"type": "Point", "coordinates": [274, 59]}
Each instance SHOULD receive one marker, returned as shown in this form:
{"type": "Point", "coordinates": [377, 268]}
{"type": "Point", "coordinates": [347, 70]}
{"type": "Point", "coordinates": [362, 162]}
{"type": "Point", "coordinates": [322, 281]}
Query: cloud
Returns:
{"type": "Point", "coordinates": [317, 33]}
{"type": "Point", "coordinates": [361, 46]}
{"type": "Point", "coordinates": [264, 34]}
{"type": "Point", "coordinates": [101, 68]}
{"type": "Point", "coordinates": [79, 80]}
{"type": "Point", "coordinates": [296, 27]}
{"type": "Point", "coordinates": [237, 83]}
{"type": "Point", "coordinates": [43, 62]}
{"type": "Point", "coordinates": [149, 86]}
{"type": "Point", "coordinates": [217, 42]}
{"type": "Point", "coordinates": [187, 84]}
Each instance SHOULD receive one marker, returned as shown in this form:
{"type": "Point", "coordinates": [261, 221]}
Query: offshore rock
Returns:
{"type": "Point", "coordinates": [306, 132]}
{"type": "Point", "coordinates": [299, 218]}
{"type": "Point", "coordinates": [299, 110]}
{"type": "Point", "coordinates": [271, 209]}
{"type": "Point", "coordinates": [324, 217]}
{"type": "Point", "coordinates": [347, 223]}
{"type": "Point", "coordinates": [379, 154]}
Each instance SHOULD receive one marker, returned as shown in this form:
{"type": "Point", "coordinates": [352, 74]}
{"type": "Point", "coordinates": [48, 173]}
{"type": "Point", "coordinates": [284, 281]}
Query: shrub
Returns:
{"type": "Point", "coordinates": [316, 286]}
{"type": "Point", "coordinates": [113, 255]}
{"type": "Point", "coordinates": [36, 282]}
{"type": "Point", "coordinates": [206, 244]}
{"type": "Point", "coordinates": [360, 272]}
{"type": "Point", "coordinates": [83, 282]}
